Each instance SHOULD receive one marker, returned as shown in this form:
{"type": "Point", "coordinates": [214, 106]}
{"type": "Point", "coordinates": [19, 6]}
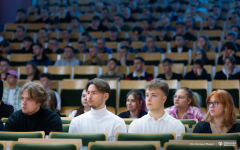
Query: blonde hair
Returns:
{"type": "Point", "coordinates": [195, 97]}
{"type": "Point", "coordinates": [159, 84]}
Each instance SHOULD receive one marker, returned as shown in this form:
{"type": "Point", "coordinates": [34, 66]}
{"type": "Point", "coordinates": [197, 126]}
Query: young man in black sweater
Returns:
{"type": "Point", "coordinates": [33, 117]}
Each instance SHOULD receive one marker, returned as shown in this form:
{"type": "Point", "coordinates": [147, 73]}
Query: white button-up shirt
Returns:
{"type": "Point", "coordinates": [165, 124]}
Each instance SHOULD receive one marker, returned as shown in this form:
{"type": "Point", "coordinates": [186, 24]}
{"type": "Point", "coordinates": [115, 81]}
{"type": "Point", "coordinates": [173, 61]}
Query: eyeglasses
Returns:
{"type": "Point", "coordinates": [213, 103]}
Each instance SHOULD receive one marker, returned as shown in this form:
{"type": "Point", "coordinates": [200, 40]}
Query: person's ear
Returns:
{"type": "Point", "coordinates": [106, 96]}
{"type": "Point", "coordinates": [189, 102]}
{"type": "Point", "coordinates": [164, 99]}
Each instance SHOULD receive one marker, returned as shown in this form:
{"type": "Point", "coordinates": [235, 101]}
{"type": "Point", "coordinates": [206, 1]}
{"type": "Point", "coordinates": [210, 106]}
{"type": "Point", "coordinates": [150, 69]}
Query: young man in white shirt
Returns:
{"type": "Point", "coordinates": [99, 119]}
{"type": "Point", "coordinates": [157, 120]}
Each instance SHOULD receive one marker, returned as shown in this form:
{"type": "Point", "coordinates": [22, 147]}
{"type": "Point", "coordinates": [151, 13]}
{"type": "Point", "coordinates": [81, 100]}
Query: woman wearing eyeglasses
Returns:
{"type": "Point", "coordinates": [221, 116]}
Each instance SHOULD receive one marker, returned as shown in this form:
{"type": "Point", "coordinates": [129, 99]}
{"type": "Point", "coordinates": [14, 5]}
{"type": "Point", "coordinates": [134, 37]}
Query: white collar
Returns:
{"type": "Point", "coordinates": [135, 74]}
{"type": "Point", "coordinates": [99, 112]}
{"type": "Point", "coordinates": [164, 117]}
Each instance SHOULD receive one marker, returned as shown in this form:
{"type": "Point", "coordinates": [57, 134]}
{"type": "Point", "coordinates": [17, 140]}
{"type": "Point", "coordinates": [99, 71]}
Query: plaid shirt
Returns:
{"type": "Point", "coordinates": [16, 101]}
{"type": "Point", "coordinates": [192, 113]}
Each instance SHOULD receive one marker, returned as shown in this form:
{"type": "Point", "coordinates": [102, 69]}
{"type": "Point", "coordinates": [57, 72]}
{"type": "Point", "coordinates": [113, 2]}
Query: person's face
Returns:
{"type": "Point", "coordinates": [92, 52]}
{"type": "Point", "coordinates": [52, 27]}
{"type": "Point", "coordinates": [44, 13]}
{"type": "Point", "coordinates": [138, 65]}
{"type": "Point", "coordinates": [68, 53]}
{"type": "Point", "coordinates": [136, 33]}
{"type": "Point", "coordinates": [161, 33]}
{"type": "Point", "coordinates": [111, 65]}
{"type": "Point", "coordinates": [131, 103]}
{"type": "Point", "coordinates": [65, 34]}
{"type": "Point", "coordinates": [30, 70]}
{"type": "Point", "coordinates": [4, 49]}
{"type": "Point", "coordinates": [199, 55]}
{"type": "Point", "coordinates": [216, 11]}
{"type": "Point", "coordinates": [218, 110]}
{"type": "Point", "coordinates": [211, 21]}
{"type": "Point", "coordinates": [230, 38]}
{"type": "Point", "coordinates": [11, 79]}
{"type": "Point", "coordinates": [81, 48]}
{"type": "Point", "coordinates": [132, 3]}
{"type": "Point", "coordinates": [74, 7]}
{"type": "Point", "coordinates": [165, 19]}
{"type": "Point", "coordinates": [196, 67]}
{"type": "Point", "coordinates": [229, 64]}
{"type": "Point", "coordinates": [126, 12]}
{"type": "Point", "coordinates": [180, 99]}
{"type": "Point", "coordinates": [74, 23]}
{"type": "Point", "coordinates": [117, 20]}
{"type": "Point", "coordinates": [227, 51]}
{"type": "Point", "coordinates": [84, 38]}
{"type": "Point", "coordinates": [179, 41]}
{"type": "Point", "coordinates": [52, 44]}
{"type": "Point", "coordinates": [113, 6]}
{"type": "Point", "coordinates": [62, 10]}
{"type": "Point", "coordinates": [45, 82]}
{"type": "Point", "coordinates": [180, 29]}
{"type": "Point", "coordinates": [35, 10]}
{"type": "Point", "coordinates": [145, 12]}
{"type": "Point", "coordinates": [42, 34]}
{"type": "Point", "coordinates": [202, 41]}
{"type": "Point", "coordinates": [145, 25]}
{"type": "Point", "coordinates": [95, 23]}
{"type": "Point", "coordinates": [126, 43]}
{"type": "Point", "coordinates": [234, 18]}
{"type": "Point", "coordinates": [176, 6]}
{"type": "Point", "coordinates": [91, 8]}
{"type": "Point", "coordinates": [189, 22]}
{"type": "Point", "coordinates": [167, 67]}
{"type": "Point", "coordinates": [123, 52]}
{"type": "Point", "coordinates": [4, 66]}
{"type": "Point", "coordinates": [27, 44]}
{"type": "Point", "coordinates": [55, 8]}
{"type": "Point", "coordinates": [237, 2]}
{"type": "Point", "coordinates": [37, 50]}
{"type": "Point", "coordinates": [21, 15]}
{"type": "Point", "coordinates": [95, 98]}
{"type": "Point", "coordinates": [100, 44]}
{"type": "Point", "coordinates": [104, 14]}
{"type": "Point", "coordinates": [19, 32]}
{"type": "Point", "coordinates": [192, 10]}
{"type": "Point", "coordinates": [113, 34]}
{"type": "Point", "coordinates": [234, 29]}
{"type": "Point", "coordinates": [155, 99]}
{"type": "Point", "coordinates": [29, 106]}
{"type": "Point", "coordinates": [84, 98]}
{"type": "Point", "coordinates": [150, 42]}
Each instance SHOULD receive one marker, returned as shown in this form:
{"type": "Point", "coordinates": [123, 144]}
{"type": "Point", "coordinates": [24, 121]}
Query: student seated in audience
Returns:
{"type": "Point", "coordinates": [139, 73]}
{"type": "Point", "coordinates": [51, 102]}
{"type": "Point", "coordinates": [167, 65]}
{"type": "Point", "coordinates": [68, 58]}
{"type": "Point", "coordinates": [157, 120]}
{"type": "Point", "coordinates": [147, 15]}
{"type": "Point", "coordinates": [74, 10]}
{"type": "Point", "coordinates": [111, 73]}
{"type": "Point", "coordinates": [180, 46]}
{"type": "Point", "coordinates": [201, 54]}
{"type": "Point", "coordinates": [235, 29]}
{"type": "Point", "coordinates": [20, 31]}
{"type": "Point", "coordinates": [86, 37]}
{"type": "Point", "coordinates": [55, 10]}
{"type": "Point", "coordinates": [128, 42]}
{"type": "Point", "coordinates": [5, 65]}
{"type": "Point", "coordinates": [21, 16]}
{"type": "Point", "coordinates": [35, 11]}
{"type": "Point", "coordinates": [176, 6]}
{"type": "Point", "coordinates": [40, 58]}
{"type": "Point", "coordinates": [11, 93]}
{"type": "Point", "coordinates": [136, 107]}
{"type": "Point", "coordinates": [165, 20]}
{"type": "Point", "coordinates": [32, 72]}
{"type": "Point", "coordinates": [147, 25]}
{"type": "Point", "coordinates": [190, 23]}
{"type": "Point", "coordinates": [53, 26]}
{"type": "Point", "coordinates": [212, 23]}
{"type": "Point", "coordinates": [127, 15]}
{"type": "Point", "coordinates": [181, 29]}
{"type": "Point", "coordinates": [42, 36]}
{"type": "Point", "coordinates": [46, 79]}
{"type": "Point", "coordinates": [232, 37]}
{"type": "Point", "coordinates": [101, 46]}
{"type": "Point", "coordinates": [221, 117]}
{"type": "Point", "coordinates": [230, 71]}
{"type": "Point", "coordinates": [6, 110]}
{"type": "Point", "coordinates": [96, 25]}
{"type": "Point", "coordinates": [154, 7]}
{"type": "Point", "coordinates": [33, 117]}
{"type": "Point", "coordinates": [82, 47]}
{"type": "Point", "coordinates": [228, 49]}
{"type": "Point", "coordinates": [123, 54]}
{"type": "Point", "coordinates": [75, 26]}
{"type": "Point", "coordinates": [115, 8]}
{"type": "Point", "coordinates": [193, 13]}
{"type": "Point", "coordinates": [105, 16]}
{"type": "Point", "coordinates": [83, 108]}
{"type": "Point", "coordinates": [98, 119]}
{"type": "Point", "coordinates": [172, 14]}
{"type": "Point", "coordinates": [137, 34]}
{"type": "Point", "coordinates": [162, 35]}
{"type": "Point", "coordinates": [118, 22]}
{"type": "Point", "coordinates": [235, 19]}
{"type": "Point", "coordinates": [44, 15]}
{"type": "Point", "coordinates": [65, 36]}
{"type": "Point", "coordinates": [198, 72]}
{"type": "Point", "coordinates": [150, 46]}
{"type": "Point", "coordinates": [63, 16]}
{"type": "Point", "coordinates": [217, 9]}
{"type": "Point", "coordinates": [53, 46]}
{"type": "Point", "coordinates": [4, 47]}
{"type": "Point", "coordinates": [186, 105]}
{"type": "Point", "coordinates": [27, 45]}
{"type": "Point", "coordinates": [204, 43]}
{"type": "Point", "coordinates": [94, 59]}
{"type": "Point", "coordinates": [113, 35]}
{"type": "Point", "coordinates": [91, 9]}
{"type": "Point", "coordinates": [134, 8]}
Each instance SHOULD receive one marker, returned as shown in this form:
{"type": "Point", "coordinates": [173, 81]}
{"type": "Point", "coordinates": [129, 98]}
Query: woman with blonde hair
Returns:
{"type": "Point", "coordinates": [186, 104]}
{"type": "Point", "coordinates": [204, 43]}
{"type": "Point", "coordinates": [221, 116]}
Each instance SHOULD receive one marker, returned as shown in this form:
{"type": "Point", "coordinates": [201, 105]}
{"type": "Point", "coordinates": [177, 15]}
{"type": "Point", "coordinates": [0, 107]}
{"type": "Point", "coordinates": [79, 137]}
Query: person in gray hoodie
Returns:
{"type": "Point", "coordinates": [230, 71]}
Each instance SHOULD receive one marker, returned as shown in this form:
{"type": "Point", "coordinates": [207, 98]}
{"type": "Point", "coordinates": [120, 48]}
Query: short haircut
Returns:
{"type": "Point", "coordinates": [181, 23]}
{"type": "Point", "coordinates": [85, 34]}
{"type": "Point", "coordinates": [235, 26]}
{"type": "Point", "coordinates": [39, 45]}
{"type": "Point", "coordinates": [232, 33]}
{"type": "Point", "coordinates": [70, 48]}
{"type": "Point", "coordinates": [217, 6]}
{"type": "Point", "coordinates": [212, 16]}
{"type": "Point", "coordinates": [35, 91]}
{"type": "Point", "coordinates": [158, 84]}
{"type": "Point", "coordinates": [151, 36]}
{"type": "Point", "coordinates": [82, 42]}
{"type": "Point", "coordinates": [138, 29]}
{"type": "Point", "coordinates": [21, 27]}
{"type": "Point", "coordinates": [140, 58]}
{"type": "Point", "coordinates": [129, 40]}
{"type": "Point", "coordinates": [43, 29]}
{"type": "Point", "coordinates": [113, 59]}
{"type": "Point", "coordinates": [113, 28]}
{"type": "Point", "coordinates": [199, 62]}
{"type": "Point", "coordinates": [193, 5]}
{"type": "Point", "coordinates": [161, 28]}
{"type": "Point", "coordinates": [28, 38]}
{"type": "Point", "coordinates": [169, 8]}
{"type": "Point", "coordinates": [75, 18]}
{"type": "Point", "coordinates": [5, 59]}
{"type": "Point", "coordinates": [55, 39]}
{"type": "Point", "coordinates": [4, 43]}
{"type": "Point", "coordinates": [22, 10]}
{"type": "Point", "coordinates": [237, 13]}
{"type": "Point", "coordinates": [96, 18]}
{"type": "Point", "coordinates": [47, 75]}
{"type": "Point", "coordinates": [149, 21]}
{"type": "Point", "coordinates": [102, 39]}
{"type": "Point", "coordinates": [105, 8]}
{"type": "Point", "coordinates": [96, 48]}
{"type": "Point", "coordinates": [100, 84]}
{"type": "Point", "coordinates": [125, 47]}
{"type": "Point", "coordinates": [168, 60]}
{"type": "Point", "coordinates": [119, 15]}
{"type": "Point", "coordinates": [180, 36]}
{"type": "Point", "coordinates": [45, 7]}
{"type": "Point", "coordinates": [230, 45]}
{"type": "Point", "coordinates": [232, 59]}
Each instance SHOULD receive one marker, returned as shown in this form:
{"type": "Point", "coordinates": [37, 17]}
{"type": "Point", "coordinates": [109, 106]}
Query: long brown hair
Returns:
{"type": "Point", "coordinates": [192, 95]}
{"type": "Point", "coordinates": [53, 99]}
{"type": "Point", "coordinates": [226, 100]}
{"type": "Point", "coordinates": [80, 110]}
